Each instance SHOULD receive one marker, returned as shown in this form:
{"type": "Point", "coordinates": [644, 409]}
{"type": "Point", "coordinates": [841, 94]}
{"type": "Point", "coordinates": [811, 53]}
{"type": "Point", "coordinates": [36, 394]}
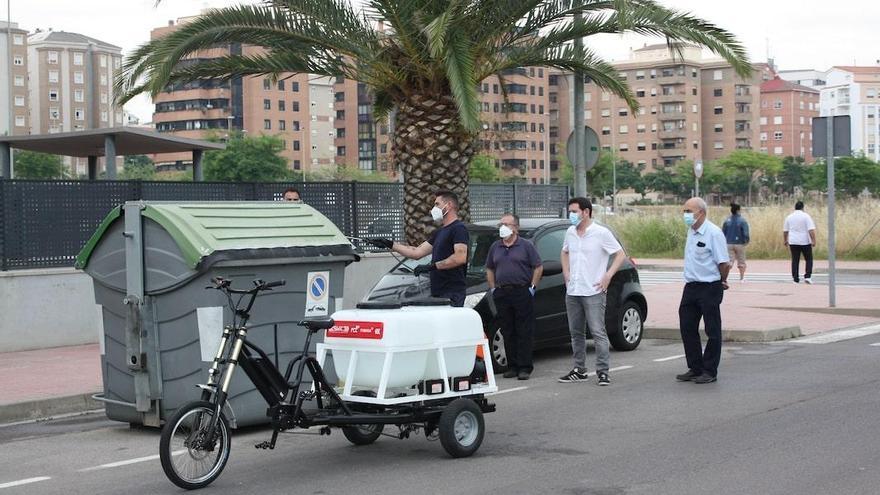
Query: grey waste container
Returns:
{"type": "Point", "coordinates": [150, 263]}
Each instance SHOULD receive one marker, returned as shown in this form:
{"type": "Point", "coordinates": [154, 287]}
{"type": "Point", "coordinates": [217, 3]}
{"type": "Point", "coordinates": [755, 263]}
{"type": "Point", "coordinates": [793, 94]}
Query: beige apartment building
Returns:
{"type": "Point", "coordinates": [787, 111]}
{"type": "Point", "coordinates": [13, 83]}
{"type": "Point", "coordinates": [689, 108]}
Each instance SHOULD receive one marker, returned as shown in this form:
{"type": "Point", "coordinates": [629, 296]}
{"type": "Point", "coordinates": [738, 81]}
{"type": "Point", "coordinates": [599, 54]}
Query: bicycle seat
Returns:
{"type": "Point", "coordinates": [317, 324]}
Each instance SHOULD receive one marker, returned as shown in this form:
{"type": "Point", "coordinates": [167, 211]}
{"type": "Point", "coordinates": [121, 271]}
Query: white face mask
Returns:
{"type": "Point", "coordinates": [504, 231]}
{"type": "Point", "coordinates": [436, 213]}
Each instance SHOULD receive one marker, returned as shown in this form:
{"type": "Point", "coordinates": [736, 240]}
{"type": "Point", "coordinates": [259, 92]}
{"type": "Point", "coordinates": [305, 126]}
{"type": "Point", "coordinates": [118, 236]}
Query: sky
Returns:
{"type": "Point", "coordinates": [798, 34]}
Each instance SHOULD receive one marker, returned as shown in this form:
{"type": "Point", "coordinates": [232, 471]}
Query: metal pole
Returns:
{"type": "Point", "coordinates": [831, 247]}
{"type": "Point", "coordinates": [198, 175]}
{"type": "Point", "coordinates": [10, 170]}
{"type": "Point", "coordinates": [110, 157]}
{"type": "Point", "coordinates": [580, 138]}
{"type": "Point", "coordinates": [696, 186]}
{"type": "Point", "coordinates": [614, 183]}
{"type": "Point", "coordinates": [5, 155]}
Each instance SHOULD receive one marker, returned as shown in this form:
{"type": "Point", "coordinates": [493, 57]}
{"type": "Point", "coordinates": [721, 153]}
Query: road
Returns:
{"type": "Point", "coordinates": [798, 416]}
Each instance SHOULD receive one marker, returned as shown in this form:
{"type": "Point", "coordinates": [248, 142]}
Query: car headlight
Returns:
{"type": "Point", "coordinates": [472, 300]}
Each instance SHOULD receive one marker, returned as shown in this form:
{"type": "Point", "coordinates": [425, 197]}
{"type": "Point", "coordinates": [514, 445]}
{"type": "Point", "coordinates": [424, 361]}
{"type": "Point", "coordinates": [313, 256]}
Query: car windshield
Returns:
{"type": "Point", "coordinates": [480, 242]}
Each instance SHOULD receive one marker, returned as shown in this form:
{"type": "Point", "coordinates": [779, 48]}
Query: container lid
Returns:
{"type": "Point", "coordinates": [207, 232]}
{"type": "Point", "coordinates": [428, 301]}
{"type": "Point", "coordinates": [378, 305]}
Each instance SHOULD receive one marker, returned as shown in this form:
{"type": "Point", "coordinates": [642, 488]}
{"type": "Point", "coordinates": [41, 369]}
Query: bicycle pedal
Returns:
{"type": "Point", "coordinates": [264, 445]}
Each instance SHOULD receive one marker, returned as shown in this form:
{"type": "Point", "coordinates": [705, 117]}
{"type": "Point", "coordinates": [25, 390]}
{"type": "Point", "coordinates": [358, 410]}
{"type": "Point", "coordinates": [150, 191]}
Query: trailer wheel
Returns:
{"type": "Point", "coordinates": [461, 428]}
{"type": "Point", "coordinates": [363, 434]}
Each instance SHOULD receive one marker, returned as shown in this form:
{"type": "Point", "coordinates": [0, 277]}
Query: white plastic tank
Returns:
{"type": "Point", "coordinates": [413, 333]}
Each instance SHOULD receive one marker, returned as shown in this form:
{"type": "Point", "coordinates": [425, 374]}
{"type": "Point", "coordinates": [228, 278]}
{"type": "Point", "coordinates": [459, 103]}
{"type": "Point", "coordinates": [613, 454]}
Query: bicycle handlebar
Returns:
{"type": "Point", "coordinates": [226, 285]}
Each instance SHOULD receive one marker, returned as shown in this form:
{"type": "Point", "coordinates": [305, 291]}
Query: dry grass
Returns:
{"type": "Point", "coordinates": [657, 231]}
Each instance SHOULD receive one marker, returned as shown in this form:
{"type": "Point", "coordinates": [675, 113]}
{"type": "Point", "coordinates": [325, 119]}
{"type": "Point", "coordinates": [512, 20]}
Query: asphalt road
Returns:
{"type": "Point", "coordinates": [783, 418]}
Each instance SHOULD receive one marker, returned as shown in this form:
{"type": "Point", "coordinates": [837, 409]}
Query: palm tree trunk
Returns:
{"type": "Point", "coordinates": [433, 150]}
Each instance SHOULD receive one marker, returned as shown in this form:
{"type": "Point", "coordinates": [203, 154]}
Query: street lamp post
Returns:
{"type": "Point", "coordinates": [698, 172]}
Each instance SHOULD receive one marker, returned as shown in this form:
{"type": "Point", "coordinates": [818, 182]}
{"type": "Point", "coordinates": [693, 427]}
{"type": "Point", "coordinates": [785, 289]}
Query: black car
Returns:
{"type": "Point", "coordinates": [626, 307]}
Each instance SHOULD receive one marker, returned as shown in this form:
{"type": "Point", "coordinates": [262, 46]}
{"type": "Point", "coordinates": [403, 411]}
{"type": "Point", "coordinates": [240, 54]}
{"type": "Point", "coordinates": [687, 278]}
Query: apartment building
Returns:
{"type": "Point", "coordinates": [295, 108]}
{"type": "Point", "coordinates": [360, 141]}
{"type": "Point", "coordinates": [787, 111]}
{"type": "Point", "coordinates": [14, 101]}
{"type": "Point", "coordinates": [810, 78]}
{"type": "Point", "coordinates": [690, 108]}
{"type": "Point", "coordinates": [855, 91]}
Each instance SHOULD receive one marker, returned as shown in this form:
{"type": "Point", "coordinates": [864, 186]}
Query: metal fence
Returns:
{"type": "Point", "coordinates": [46, 223]}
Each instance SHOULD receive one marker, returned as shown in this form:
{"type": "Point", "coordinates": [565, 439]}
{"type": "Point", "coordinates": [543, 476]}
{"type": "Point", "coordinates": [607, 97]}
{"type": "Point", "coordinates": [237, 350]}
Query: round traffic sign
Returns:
{"type": "Point", "coordinates": [591, 157]}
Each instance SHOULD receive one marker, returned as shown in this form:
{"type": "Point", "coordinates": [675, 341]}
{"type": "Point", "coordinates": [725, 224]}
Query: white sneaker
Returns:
{"type": "Point", "coordinates": [808, 281]}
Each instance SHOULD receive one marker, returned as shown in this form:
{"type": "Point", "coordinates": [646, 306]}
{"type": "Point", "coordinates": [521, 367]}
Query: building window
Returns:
{"type": "Point", "coordinates": [606, 131]}
{"type": "Point", "coordinates": [622, 112]}
{"type": "Point", "coordinates": [18, 60]}
{"type": "Point", "coordinates": [103, 61]}
{"type": "Point", "coordinates": [763, 136]}
{"type": "Point", "coordinates": [640, 93]}
{"type": "Point", "coordinates": [267, 84]}
{"type": "Point", "coordinates": [624, 147]}
{"type": "Point", "coordinates": [777, 120]}
{"type": "Point", "coordinates": [763, 120]}
{"type": "Point", "coordinates": [296, 165]}
{"type": "Point", "coordinates": [54, 113]}
{"type": "Point", "coordinates": [777, 150]}
{"type": "Point", "coordinates": [78, 95]}
{"type": "Point", "coordinates": [606, 112]}
{"type": "Point", "coordinates": [52, 57]}
{"type": "Point", "coordinates": [340, 132]}
{"type": "Point", "coordinates": [694, 108]}
{"type": "Point", "coordinates": [623, 129]}
{"type": "Point", "coordinates": [103, 79]}
{"type": "Point", "coordinates": [294, 85]}
{"type": "Point", "coordinates": [719, 145]}
{"type": "Point", "coordinates": [295, 105]}
{"type": "Point", "coordinates": [640, 128]}
{"type": "Point", "coordinates": [103, 97]}
{"type": "Point", "coordinates": [104, 116]}
{"type": "Point", "coordinates": [19, 101]}
{"type": "Point", "coordinates": [19, 120]}
{"type": "Point", "coordinates": [19, 81]}
{"type": "Point", "coordinates": [281, 85]}
{"type": "Point", "coordinates": [77, 58]}
{"type": "Point", "coordinates": [719, 127]}
{"type": "Point", "coordinates": [777, 104]}
{"type": "Point", "coordinates": [340, 151]}
{"type": "Point", "coordinates": [296, 146]}
{"type": "Point", "coordinates": [282, 125]}
{"type": "Point", "coordinates": [777, 135]}
{"type": "Point", "coordinates": [53, 95]}
{"type": "Point", "coordinates": [717, 92]}
{"type": "Point", "coordinates": [719, 110]}
{"type": "Point", "coordinates": [53, 76]}
{"type": "Point", "coordinates": [282, 106]}
{"type": "Point", "coordinates": [117, 62]}
{"type": "Point", "coordinates": [17, 39]}
{"type": "Point", "coordinates": [267, 104]}
{"type": "Point", "coordinates": [79, 114]}
{"type": "Point", "coordinates": [717, 75]}
{"type": "Point", "coordinates": [641, 147]}
{"type": "Point", "coordinates": [295, 125]}
{"type": "Point", "coordinates": [267, 124]}
{"type": "Point", "coordinates": [77, 77]}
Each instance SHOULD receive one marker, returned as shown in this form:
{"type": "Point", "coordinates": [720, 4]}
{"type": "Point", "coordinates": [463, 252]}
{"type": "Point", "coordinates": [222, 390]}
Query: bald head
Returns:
{"type": "Point", "coordinates": [696, 206]}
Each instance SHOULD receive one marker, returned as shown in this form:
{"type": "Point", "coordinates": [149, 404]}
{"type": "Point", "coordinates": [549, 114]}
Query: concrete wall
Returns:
{"type": "Point", "coordinates": [56, 307]}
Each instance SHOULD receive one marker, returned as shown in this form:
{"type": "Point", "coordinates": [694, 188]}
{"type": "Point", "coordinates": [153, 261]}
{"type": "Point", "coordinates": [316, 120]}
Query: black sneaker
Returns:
{"type": "Point", "coordinates": [523, 375]}
{"type": "Point", "coordinates": [574, 376]}
{"type": "Point", "coordinates": [687, 377]}
{"type": "Point", "coordinates": [510, 374]}
{"type": "Point", "coordinates": [705, 378]}
{"type": "Point", "coordinates": [603, 379]}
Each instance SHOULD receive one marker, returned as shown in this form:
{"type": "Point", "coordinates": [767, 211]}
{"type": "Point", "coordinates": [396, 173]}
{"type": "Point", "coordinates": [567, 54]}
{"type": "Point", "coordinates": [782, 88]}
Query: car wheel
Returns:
{"type": "Point", "coordinates": [496, 349]}
{"type": "Point", "coordinates": [630, 326]}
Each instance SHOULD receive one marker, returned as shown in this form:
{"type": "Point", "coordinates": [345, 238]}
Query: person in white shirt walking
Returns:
{"type": "Point", "coordinates": [799, 234]}
{"type": "Point", "coordinates": [586, 250]}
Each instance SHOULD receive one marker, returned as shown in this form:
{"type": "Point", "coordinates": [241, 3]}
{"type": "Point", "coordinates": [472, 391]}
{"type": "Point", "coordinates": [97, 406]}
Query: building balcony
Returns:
{"type": "Point", "coordinates": [743, 98]}
{"type": "Point", "coordinates": [672, 152]}
{"type": "Point", "coordinates": [676, 79]}
{"type": "Point", "coordinates": [672, 134]}
{"type": "Point", "coordinates": [672, 97]}
{"type": "Point", "coordinates": [743, 116]}
{"type": "Point", "coordinates": [747, 132]}
{"type": "Point", "coordinates": [671, 115]}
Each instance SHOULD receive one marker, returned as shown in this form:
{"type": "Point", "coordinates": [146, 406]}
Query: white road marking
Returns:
{"type": "Point", "coordinates": [670, 358]}
{"type": "Point", "coordinates": [619, 368]}
{"type": "Point", "coordinates": [514, 389]}
{"type": "Point", "coordinates": [827, 338]}
{"type": "Point", "coordinates": [126, 462]}
{"type": "Point", "coordinates": [876, 345]}
{"type": "Point", "coordinates": [24, 482]}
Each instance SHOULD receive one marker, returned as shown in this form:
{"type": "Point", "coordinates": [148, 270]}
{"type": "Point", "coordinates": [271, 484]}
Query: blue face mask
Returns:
{"type": "Point", "coordinates": [688, 218]}
{"type": "Point", "coordinates": [574, 218]}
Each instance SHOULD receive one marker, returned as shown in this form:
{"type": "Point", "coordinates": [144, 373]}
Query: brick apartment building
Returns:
{"type": "Point", "coordinates": [13, 85]}
{"type": "Point", "coordinates": [787, 111]}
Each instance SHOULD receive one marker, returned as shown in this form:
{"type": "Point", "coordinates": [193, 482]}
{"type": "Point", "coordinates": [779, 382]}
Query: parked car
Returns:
{"type": "Point", "coordinates": [625, 311]}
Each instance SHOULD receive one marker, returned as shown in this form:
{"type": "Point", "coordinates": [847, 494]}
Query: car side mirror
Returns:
{"type": "Point", "coordinates": [552, 268]}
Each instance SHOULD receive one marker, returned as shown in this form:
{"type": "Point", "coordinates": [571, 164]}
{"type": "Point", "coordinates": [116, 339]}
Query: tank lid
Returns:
{"type": "Point", "coordinates": [428, 301]}
{"type": "Point", "coordinates": [378, 305]}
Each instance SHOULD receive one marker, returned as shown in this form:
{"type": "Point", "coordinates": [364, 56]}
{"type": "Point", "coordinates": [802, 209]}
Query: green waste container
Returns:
{"type": "Point", "coordinates": [150, 263]}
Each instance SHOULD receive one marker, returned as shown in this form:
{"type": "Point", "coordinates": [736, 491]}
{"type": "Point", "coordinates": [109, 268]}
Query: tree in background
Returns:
{"type": "Point", "coordinates": [35, 165]}
{"type": "Point", "coordinates": [482, 169]}
{"type": "Point", "coordinates": [749, 166]}
{"type": "Point", "coordinates": [852, 175]}
{"type": "Point", "coordinates": [247, 159]}
{"type": "Point", "coordinates": [138, 167]}
{"type": "Point", "coordinates": [793, 174]}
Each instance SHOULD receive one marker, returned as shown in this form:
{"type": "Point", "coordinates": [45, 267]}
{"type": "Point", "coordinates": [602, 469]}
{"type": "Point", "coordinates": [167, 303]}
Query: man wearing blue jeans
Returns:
{"type": "Point", "coordinates": [586, 250]}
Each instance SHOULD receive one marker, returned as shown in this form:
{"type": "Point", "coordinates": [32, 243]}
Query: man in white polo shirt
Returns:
{"type": "Point", "coordinates": [799, 234]}
{"type": "Point", "coordinates": [586, 251]}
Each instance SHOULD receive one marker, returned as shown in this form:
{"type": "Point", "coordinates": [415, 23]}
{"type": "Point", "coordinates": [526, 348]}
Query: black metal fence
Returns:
{"type": "Point", "coordinates": [46, 223]}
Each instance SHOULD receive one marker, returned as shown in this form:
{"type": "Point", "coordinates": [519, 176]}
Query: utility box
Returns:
{"type": "Point", "coordinates": [151, 262]}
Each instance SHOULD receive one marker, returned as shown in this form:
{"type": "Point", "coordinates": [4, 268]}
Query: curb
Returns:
{"type": "Point", "coordinates": [771, 335]}
{"type": "Point", "coordinates": [823, 271]}
{"type": "Point", "coordinates": [46, 408]}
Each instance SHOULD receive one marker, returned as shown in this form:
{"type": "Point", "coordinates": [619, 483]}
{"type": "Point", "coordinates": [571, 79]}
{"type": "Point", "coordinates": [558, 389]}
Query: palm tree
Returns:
{"type": "Point", "coordinates": [425, 65]}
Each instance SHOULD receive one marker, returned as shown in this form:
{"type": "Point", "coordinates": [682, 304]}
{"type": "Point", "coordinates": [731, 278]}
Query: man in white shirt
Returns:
{"type": "Point", "coordinates": [586, 251]}
{"type": "Point", "coordinates": [799, 234]}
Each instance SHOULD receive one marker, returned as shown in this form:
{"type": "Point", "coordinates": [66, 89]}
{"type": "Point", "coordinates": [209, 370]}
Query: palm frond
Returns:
{"type": "Point", "coordinates": [460, 72]}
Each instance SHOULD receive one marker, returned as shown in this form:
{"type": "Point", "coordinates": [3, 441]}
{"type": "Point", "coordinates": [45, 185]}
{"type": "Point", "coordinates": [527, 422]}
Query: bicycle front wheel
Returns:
{"type": "Point", "coordinates": [192, 457]}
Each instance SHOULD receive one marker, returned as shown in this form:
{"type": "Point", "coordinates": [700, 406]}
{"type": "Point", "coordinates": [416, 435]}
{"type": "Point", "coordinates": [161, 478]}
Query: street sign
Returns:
{"type": "Point", "coordinates": [698, 168]}
{"type": "Point", "coordinates": [841, 130]}
{"type": "Point", "coordinates": [592, 146]}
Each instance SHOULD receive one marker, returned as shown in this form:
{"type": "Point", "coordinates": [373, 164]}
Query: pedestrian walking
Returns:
{"type": "Point", "coordinates": [706, 266]}
{"type": "Point", "coordinates": [448, 247]}
{"type": "Point", "coordinates": [513, 270]}
{"type": "Point", "coordinates": [586, 251]}
{"type": "Point", "coordinates": [736, 231]}
{"type": "Point", "coordinates": [799, 234]}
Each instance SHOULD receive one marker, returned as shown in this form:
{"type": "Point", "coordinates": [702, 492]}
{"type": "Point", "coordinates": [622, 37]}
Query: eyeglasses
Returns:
{"type": "Point", "coordinates": [511, 225]}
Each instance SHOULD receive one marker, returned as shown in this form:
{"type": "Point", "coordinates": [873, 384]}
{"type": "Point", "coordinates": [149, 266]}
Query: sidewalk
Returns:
{"type": "Point", "coordinates": [48, 382]}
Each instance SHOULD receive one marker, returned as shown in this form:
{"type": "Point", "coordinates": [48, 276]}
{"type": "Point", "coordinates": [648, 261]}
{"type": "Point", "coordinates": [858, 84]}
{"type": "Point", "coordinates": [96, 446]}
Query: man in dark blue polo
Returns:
{"type": "Point", "coordinates": [513, 270]}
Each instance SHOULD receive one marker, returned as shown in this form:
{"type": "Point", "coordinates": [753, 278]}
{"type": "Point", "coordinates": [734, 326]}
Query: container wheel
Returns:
{"type": "Point", "coordinates": [461, 428]}
{"type": "Point", "coordinates": [363, 434]}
